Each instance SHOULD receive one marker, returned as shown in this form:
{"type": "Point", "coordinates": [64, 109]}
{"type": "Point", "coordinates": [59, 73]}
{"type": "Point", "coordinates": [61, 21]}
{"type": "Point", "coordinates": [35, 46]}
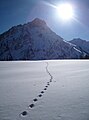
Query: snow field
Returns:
{"type": "Point", "coordinates": [44, 90]}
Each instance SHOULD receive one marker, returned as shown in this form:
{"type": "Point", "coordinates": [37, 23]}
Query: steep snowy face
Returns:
{"type": "Point", "coordinates": [35, 41]}
{"type": "Point", "coordinates": [83, 45]}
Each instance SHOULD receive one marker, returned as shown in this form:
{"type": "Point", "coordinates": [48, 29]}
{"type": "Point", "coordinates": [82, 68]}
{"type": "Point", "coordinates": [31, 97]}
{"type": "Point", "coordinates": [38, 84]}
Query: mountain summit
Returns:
{"type": "Point", "coordinates": [35, 41]}
{"type": "Point", "coordinates": [38, 22]}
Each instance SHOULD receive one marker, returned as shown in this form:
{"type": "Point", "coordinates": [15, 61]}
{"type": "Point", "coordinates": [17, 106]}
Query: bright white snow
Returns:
{"type": "Point", "coordinates": [66, 98]}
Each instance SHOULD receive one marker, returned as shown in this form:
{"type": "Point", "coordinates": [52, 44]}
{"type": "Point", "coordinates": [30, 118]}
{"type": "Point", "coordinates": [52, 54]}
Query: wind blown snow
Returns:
{"type": "Point", "coordinates": [44, 90]}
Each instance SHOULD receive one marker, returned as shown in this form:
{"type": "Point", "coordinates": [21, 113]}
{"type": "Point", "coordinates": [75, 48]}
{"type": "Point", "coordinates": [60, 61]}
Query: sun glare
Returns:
{"type": "Point", "coordinates": [65, 11]}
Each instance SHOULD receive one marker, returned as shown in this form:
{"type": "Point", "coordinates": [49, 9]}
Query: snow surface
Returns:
{"type": "Point", "coordinates": [66, 98]}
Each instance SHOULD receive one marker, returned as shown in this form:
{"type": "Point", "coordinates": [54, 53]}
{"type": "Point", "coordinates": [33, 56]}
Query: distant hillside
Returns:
{"type": "Point", "coordinates": [82, 45]}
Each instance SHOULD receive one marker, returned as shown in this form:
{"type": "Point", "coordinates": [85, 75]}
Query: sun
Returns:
{"type": "Point", "coordinates": [65, 11]}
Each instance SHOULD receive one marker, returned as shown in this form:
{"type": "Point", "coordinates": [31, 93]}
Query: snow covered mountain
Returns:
{"type": "Point", "coordinates": [82, 45]}
{"type": "Point", "coordinates": [35, 41]}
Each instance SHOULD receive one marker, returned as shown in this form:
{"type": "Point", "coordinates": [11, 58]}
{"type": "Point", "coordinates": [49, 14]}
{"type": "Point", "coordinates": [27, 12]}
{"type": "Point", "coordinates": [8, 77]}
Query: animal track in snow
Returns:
{"type": "Point", "coordinates": [42, 91]}
{"type": "Point", "coordinates": [35, 99]}
{"type": "Point", "coordinates": [50, 80]}
{"type": "Point", "coordinates": [45, 88]}
{"type": "Point", "coordinates": [40, 95]}
{"type": "Point", "coordinates": [31, 105]}
{"type": "Point", "coordinates": [24, 113]}
{"type": "Point", "coordinates": [48, 84]}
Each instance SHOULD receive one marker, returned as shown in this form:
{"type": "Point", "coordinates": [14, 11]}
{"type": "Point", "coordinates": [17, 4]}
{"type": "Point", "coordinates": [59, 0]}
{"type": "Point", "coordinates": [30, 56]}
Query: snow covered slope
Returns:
{"type": "Point", "coordinates": [82, 45]}
{"type": "Point", "coordinates": [66, 96]}
{"type": "Point", "coordinates": [35, 41]}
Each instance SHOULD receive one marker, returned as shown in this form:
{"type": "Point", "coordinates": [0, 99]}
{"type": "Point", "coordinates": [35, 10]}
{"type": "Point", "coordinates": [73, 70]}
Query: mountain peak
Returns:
{"type": "Point", "coordinates": [35, 41]}
{"type": "Point", "coordinates": [38, 22]}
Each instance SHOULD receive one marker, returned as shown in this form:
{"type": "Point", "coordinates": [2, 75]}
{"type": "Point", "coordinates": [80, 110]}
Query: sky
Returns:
{"type": "Point", "coordinates": [14, 12]}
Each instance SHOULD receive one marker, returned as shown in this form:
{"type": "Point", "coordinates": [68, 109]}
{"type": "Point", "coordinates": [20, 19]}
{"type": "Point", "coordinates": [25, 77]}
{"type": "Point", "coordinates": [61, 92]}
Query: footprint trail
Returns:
{"type": "Point", "coordinates": [25, 113]}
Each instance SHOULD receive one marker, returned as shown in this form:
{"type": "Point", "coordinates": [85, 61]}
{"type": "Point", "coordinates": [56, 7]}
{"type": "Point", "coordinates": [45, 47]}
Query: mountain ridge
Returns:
{"type": "Point", "coordinates": [35, 41]}
{"type": "Point", "coordinates": [82, 45]}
